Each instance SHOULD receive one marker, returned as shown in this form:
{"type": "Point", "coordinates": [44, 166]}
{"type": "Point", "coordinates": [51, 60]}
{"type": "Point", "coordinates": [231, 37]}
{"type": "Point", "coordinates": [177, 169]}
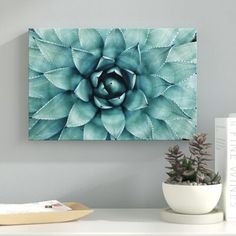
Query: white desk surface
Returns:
{"type": "Point", "coordinates": [122, 222]}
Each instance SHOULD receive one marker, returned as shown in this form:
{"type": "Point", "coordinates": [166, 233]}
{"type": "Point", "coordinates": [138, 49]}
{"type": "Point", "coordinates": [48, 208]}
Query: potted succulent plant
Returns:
{"type": "Point", "coordinates": [192, 187]}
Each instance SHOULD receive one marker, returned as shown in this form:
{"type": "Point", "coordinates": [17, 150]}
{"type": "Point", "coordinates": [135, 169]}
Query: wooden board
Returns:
{"type": "Point", "coordinates": [78, 211]}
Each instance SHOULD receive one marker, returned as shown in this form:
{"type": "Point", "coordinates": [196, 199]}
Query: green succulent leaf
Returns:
{"type": "Point", "coordinates": [32, 122]}
{"type": "Point", "coordinates": [67, 36]}
{"type": "Point", "coordinates": [114, 44]}
{"type": "Point", "coordinates": [84, 90]}
{"type": "Point", "coordinates": [176, 72]}
{"type": "Point", "coordinates": [56, 54]}
{"type": "Point", "coordinates": [102, 103]}
{"type": "Point", "coordinates": [153, 59]}
{"type": "Point", "coordinates": [75, 133]}
{"type": "Point", "coordinates": [118, 100]}
{"type": "Point", "coordinates": [135, 100]}
{"type": "Point", "coordinates": [84, 61]}
{"type": "Point", "coordinates": [183, 53]}
{"type": "Point", "coordinates": [190, 83]}
{"type": "Point", "coordinates": [44, 129]}
{"type": "Point", "coordinates": [152, 85]}
{"type": "Point", "coordinates": [66, 78]}
{"type": "Point", "coordinates": [113, 121]}
{"type": "Point", "coordinates": [126, 136]}
{"type": "Point", "coordinates": [32, 35]}
{"type": "Point", "coordinates": [162, 108]}
{"type": "Point", "coordinates": [185, 35]}
{"type": "Point", "coordinates": [33, 74]}
{"type": "Point", "coordinates": [184, 98]}
{"type": "Point", "coordinates": [80, 114]}
{"type": "Point", "coordinates": [130, 78]}
{"type": "Point", "coordinates": [42, 88]}
{"type": "Point", "coordinates": [135, 36]}
{"type": "Point", "coordinates": [57, 108]}
{"type": "Point", "coordinates": [91, 41]}
{"type": "Point", "coordinates": [130, 59]}
{"type": "Point", "coordinates": [101, 90]}
{"type": "Point", "coordinates": [183, 128]}
{"type": "Point", "coordinates": [139, 124]}
{"type": "Point", "coordinates": [105, 63]}
{"type": "Point", "coordinates": [162, 37]}
{"type": "Point", "coordinates": [35, 104]}
{"type": "Point", "coordinates": [95, 77]}
{"type": "Point", "coordinates": [48, 34]}
{"type": "Point", "coordinates": [162, 131]}
{"type": "Point", "coordinates": [95, 130]}
{"type": "Point", "coordinates": [37, 62]}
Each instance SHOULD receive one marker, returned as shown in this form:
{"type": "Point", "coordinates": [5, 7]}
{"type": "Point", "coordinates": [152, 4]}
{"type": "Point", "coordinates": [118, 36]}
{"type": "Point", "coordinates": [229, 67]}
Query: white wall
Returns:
{"type": "Point", "coordinates": [104, 174]}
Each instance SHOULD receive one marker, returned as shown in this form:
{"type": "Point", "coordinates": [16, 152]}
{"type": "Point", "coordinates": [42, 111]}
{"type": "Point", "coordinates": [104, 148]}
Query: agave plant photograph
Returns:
{"type": "Point", "coordinates": [112, 84]}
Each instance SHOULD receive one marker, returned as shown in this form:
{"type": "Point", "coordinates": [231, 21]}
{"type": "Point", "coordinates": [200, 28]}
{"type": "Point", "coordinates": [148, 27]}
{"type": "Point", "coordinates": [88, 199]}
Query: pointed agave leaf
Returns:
{"type": "Point", "coordinates": [163, 37]}
{"type": "Point", "coordinates": [105, 63]}
{"type": "Point", "coordinates": [104, 32]}
{"type": "Point", "coordinates": [95, 77]}
{"type": "Point", "coordinates": [95, 130]}
{"type": "Point", "coordinates": [57, 54]}
{"type": "Point", "coordinates": [66, 78]}
{"type": "Point", "coordinates": [114, 121]}
{"type": "Point", "coordinates": [162, 108]}
{"type": "Point", "coordinates": [91, 41]}
{"type": "Point", "coordinates": [45, 129]}
{"type": "Point", "coordinates": [41, 88]}
{"type": "Point", "coordinates": [48, 35]}
{"type": "Point", "coordinates": [75, 133]}
{"type": "Point", "coordinates": [184, 128]}
{"type": "Point", "coordinates": [84, 90]}
{"type": "Point", "coordinates": [190, 82]}
{"type": "Point", "coordinates": [102, 103]}
{"type": "Point", "coordinates": [134, 36]}
{"type": "Point", "coordinates": [183, 53]}
{"type": "Point", "coordinates": [37, 61]}
{"type": "Point", "coordinates": [84, 61]}
{"type": "Point", "coordinates": [118, 100]}
{"type": "Point", "coordinates": [135, 100]}
{"type": "Point", "coordinates": [33, 74]}
{"type": "Point", "coordinates": [32, 35]}
{"type": "Point", "coordinates": [101, 91]}
{"type": "Point", "coordinates": [67, 36]}
{"type": "Point", "coordinates": [125, 135]}
{"type": "Point", "coordinates": [162, 131]}
{"type": "Point", "coordinates": [114, 44]}
{"type": "Point", "coordinates": [176, 72]}
{"type": "Point", "coordinates": [184, 98]}
{"type": "Point", "coordinates": [153, 59]}
{"type": "Point", "coordinates": [58, 107]}
{"type": "Point", "coordinates": [185, 35]}
{"type": "Point", "coordinates": [139, 124]}
{"type": "Point", "coordinates": [130, 78]}
{"type": "Point", "coordinates": [81, 113]}
{"type": "Point", "coordinates": [34, 104]}
{"type": "Point", "coordinates": [152, 85]}
{"type": "Point", "coordinates": [32, 122]}
{"type": "Point", "coordinates": [130, 59]}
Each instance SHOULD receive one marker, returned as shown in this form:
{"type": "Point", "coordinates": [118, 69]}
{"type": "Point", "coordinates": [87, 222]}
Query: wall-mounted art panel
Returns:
{"type": "Point", "coordinates": [112, 84]}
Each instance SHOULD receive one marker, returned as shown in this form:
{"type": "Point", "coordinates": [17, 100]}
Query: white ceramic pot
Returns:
{"type": "Point", "coordinates": [192, 199]}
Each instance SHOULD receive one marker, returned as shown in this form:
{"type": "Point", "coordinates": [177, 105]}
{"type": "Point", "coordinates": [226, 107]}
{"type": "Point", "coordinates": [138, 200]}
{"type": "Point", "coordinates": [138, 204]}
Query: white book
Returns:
{"type": "Point", "coordinates": [225, 163]}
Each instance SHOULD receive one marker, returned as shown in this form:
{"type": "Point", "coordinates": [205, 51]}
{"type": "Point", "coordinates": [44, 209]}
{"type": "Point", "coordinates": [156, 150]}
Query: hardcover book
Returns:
{"type": "Point", "coordinates": [225, 163]}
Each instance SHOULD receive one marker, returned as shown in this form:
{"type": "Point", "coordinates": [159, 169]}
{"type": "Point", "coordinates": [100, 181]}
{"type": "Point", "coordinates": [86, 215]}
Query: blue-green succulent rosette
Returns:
{"type": "Point", "coordinates": [112, 84]}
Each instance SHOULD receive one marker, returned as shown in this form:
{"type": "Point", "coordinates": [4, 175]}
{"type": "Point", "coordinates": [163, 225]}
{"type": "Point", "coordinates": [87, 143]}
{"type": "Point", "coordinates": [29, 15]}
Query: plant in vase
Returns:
{"type": "Point", "coordinates": [192, 187]}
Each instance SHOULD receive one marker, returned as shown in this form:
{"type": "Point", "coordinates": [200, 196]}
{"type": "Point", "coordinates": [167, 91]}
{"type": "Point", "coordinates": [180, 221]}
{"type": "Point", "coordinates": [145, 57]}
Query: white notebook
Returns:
{"type": "Point", "coordinates": [45, 206]}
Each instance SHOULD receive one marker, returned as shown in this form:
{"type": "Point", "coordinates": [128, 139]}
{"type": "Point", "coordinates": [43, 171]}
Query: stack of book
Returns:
{"type": "Point", "coordinates": [225, 162]}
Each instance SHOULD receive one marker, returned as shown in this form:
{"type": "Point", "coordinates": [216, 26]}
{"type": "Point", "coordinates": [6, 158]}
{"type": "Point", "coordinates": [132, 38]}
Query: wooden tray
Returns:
{"type": "Point", "coordinates": [78, 211]}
